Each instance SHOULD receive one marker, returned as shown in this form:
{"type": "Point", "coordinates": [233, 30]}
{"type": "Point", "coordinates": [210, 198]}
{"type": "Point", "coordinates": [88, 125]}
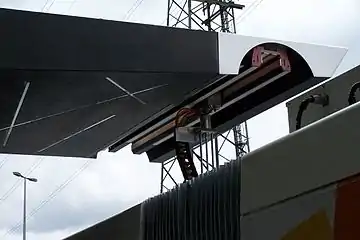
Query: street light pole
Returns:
{"type": "Point", "coordinates": [24, 211]}
{"type": "Point", "coordinates": [17, 174]}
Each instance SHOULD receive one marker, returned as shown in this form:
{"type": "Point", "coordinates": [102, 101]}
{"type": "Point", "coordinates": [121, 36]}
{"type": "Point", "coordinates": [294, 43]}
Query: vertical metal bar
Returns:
{"type": "Point", "coordinates": [16, 113]}
{"type": "Point", "coordinates": [247, 137]}
{"type": "Point", "coordinates": [237, 140]}
{"type": "Point", "coordinates": [201, 154]}
{"type": "Point", "coordinates": [162, 178]}
{"type": "Point", "coordinates": [222, 18]}
{"type": "Point", "coordinates": [24, 213]}
{"type": "Point", "coordinates": [233, 16]}
{"type": "Point", "coordinates": [208, 17]}
{"type": "Point", "coordinates": [217, 152]}
{"type": "Point", "coordinates": [168, 14]}
{"type": "Point", "coordinates": [189, 13]}
{"type": "Point", "coordinates": [207, 152]}
{"type": "Point", "coordinates": [212, 150]}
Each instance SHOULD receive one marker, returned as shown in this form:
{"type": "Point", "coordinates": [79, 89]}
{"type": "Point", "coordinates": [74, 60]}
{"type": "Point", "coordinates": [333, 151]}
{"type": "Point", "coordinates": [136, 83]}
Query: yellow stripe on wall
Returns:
{"type": "Point", "coordinates": [317, 227]}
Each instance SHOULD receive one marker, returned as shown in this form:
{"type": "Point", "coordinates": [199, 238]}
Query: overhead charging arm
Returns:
{"type": "Point", "coordinates": [266, 66]}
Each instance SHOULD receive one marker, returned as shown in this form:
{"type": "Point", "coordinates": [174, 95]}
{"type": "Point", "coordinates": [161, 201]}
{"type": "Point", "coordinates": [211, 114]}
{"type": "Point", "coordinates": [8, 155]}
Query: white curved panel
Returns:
{"type": "Point", "coordinates": [323, 60]}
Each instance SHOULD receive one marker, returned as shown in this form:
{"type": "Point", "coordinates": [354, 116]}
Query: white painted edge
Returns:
{"type": "Point", "coordinates": [323, 60]}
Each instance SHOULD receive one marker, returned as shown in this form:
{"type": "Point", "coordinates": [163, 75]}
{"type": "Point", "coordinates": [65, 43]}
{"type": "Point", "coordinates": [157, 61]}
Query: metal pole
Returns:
{"type": "Point", "coordinates": [212, 151]}
{"type": "Point", "coordinates": [247, 137]}
{"type": "Point", "coordinates": [217, 152]}
{"type": "Point", "coordinates": [168, 14]}
{"type": "Point", "coordinates": [24, 213]}
{"type": "Point", "coordinates": [17, 174]}
{"type": "Point", "coordinates": [207, 152]}
{"type": "Point", "coordinates": [201, 154]}
{"type": "Point", "coordinates": [189, 14]}
{"type": "Point", "coordinates": [162, 178]}
{"type": "Point", "coordinates": [234, 22]}
{"type": "Point", "coordinates": [208, 16]}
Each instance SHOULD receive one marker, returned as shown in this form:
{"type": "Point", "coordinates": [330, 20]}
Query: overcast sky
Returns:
{"type": "Point", "coordinates": [115, 182]}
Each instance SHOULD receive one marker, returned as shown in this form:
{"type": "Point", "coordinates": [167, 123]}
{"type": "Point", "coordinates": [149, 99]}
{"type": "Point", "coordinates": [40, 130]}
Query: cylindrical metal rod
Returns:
{"type": "Point", "coordinates": [212, 150]}
{"type": "Point", "coordinates": [201, 154]}
{"type": "Point", "coordinates": [24, 213]}
{"type": "Point", "coordinates": [207, 152]}
{"type": "Point", "coordinates": [17, 174]}
{"type": "Point", "coordinates": [189, 14]}
{"type": "Point", "coordinates": [217, 152]}
{"type": "Point", "coordinates": [247, 137]}
{"type": "Point", "coordinates": [234, 20]}
{"type": "Point", "coordinates": [162, 178]}
{"type": "Point", "coordinates": [168, 14]}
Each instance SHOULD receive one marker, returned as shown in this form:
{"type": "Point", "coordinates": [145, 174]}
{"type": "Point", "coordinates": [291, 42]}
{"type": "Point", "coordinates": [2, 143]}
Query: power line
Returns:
{"type": "Point", "coordinates": [4, 161]}
{"type": "Point", "coordinates": [17, 226]}
{"type": "Point", "coordinates": [251, 8]}
{"type": "Point", "coordinates": [71, 6]}
{"type": "Point", "coordinates": [50, 5]}
{"type": "Point", "coordinates": [46, 3]}
{"type": "Point", "coordinates": [15, 186]}
{"type": "Point", "coordinates": [46, 9]}
{"type": "Point", "coordinates": [133, 9]}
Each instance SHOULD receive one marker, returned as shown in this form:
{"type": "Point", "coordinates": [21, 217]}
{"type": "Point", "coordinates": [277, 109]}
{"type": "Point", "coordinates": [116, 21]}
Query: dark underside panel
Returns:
{"type": "Point", "coordinates": [71, 108]}
{"type": "Point", "coordinates": [79, 113]}
{"type": "Point", "coordinates": [44, 41]}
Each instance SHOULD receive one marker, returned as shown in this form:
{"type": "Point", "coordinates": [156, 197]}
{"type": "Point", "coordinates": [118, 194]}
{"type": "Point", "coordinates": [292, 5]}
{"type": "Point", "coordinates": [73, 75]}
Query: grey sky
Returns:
{"type": "Point", "coordinates": [117, 181]}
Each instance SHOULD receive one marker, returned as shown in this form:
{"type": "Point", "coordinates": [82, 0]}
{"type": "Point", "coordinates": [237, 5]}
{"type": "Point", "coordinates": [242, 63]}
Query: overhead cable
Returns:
{"type": "Point", "coordinates": [2, 163]}
{"type": "Point", "coordinates": [17, 183]}
{"type": "Point", "coordinates": [44, 6]}
{"type": "Point", "coordinates": [133, 9]}
{"type": "Point", "coordinates": [249, 10]}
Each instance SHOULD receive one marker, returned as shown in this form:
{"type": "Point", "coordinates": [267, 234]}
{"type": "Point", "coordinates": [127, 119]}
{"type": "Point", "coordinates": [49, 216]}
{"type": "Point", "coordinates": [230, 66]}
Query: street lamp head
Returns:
{"type": "Point", "coordinates": [32, 179]}
{"type": "Point", "coordinates": [17, 174]}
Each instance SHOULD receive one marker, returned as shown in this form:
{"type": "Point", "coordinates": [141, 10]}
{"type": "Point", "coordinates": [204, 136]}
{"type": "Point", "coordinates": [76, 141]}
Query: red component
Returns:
{"type": "Point", "coordinates": [347, 210]}
{"type": "Point", "coordinates": [257, 56]}
{"type": "Point", "coordinates": [284, 60]}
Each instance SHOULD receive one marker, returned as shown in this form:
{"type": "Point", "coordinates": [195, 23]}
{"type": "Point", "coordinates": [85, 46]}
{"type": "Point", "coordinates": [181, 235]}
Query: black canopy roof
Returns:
{"type": "Point", "coordinates": [79, 84]}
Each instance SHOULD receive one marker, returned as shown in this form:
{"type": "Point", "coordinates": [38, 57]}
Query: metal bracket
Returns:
{"type": "Point", "coordinates": [186, 134]}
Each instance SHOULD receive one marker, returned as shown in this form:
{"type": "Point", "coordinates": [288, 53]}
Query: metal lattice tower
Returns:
{"type": "Point", "coordinates": [241, 140]}
{"type": "Point", "coordinates": [207, 15]}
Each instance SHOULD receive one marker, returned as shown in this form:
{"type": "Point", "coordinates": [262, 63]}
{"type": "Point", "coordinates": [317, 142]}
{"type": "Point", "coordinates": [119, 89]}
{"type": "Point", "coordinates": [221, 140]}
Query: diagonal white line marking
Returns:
{"type": "Point", "coordinates": [76, 133]}
{"type": "Point", "coordinates": [16, 113]}
{"type": "Point", "coordinates": [82, 107]}
{"type": "Point", "coordinates": [126, 91]}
